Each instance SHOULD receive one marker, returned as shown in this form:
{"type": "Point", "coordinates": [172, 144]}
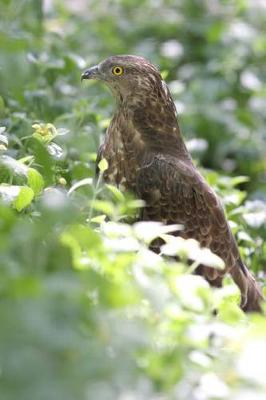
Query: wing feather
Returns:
{"type": "Point", "coordinates": [175, 192]}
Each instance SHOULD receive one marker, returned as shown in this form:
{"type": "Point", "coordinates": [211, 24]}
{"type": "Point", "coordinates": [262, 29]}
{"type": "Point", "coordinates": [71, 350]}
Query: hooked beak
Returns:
{"type": "Point", "coordinates": [91, 73]}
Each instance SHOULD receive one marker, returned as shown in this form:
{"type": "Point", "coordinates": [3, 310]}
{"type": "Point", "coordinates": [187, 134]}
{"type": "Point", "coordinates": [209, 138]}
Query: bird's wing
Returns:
{"type": "Point", "coordinates": [175, 192]}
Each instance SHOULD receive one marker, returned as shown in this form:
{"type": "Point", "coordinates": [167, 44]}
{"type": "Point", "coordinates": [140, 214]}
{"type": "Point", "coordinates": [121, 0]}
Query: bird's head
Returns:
{"type": "Point", "coordinates": [126, 76]}
{"type": "Point", "coordinates": [144, 98]}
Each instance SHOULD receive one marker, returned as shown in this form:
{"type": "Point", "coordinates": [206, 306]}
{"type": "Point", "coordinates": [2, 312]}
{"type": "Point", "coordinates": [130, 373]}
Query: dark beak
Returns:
{"type": "Point", "coordinates": [91, 73]}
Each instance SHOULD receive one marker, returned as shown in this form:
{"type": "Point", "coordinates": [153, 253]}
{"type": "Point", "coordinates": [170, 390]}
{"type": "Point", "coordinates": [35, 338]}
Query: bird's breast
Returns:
{"type": "Point", "coordinates": [122, 149]}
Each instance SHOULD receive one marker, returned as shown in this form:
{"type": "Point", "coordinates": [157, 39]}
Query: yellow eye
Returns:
{"type": "Point", "coordinates": [118, 71]}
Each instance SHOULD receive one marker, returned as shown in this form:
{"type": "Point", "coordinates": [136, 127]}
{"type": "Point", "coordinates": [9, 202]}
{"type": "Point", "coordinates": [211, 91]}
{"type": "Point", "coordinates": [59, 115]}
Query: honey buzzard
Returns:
{"type": "Point", "coordinates": [146, 155]}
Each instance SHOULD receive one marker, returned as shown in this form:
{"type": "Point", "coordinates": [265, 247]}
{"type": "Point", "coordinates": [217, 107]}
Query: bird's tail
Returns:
{"type": "Point", "coordinates": [251, 293]}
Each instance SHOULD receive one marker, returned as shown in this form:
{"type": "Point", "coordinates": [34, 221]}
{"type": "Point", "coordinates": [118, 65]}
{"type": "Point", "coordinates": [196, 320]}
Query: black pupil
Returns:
{"type": "Point", "coordinates": [117, 70]}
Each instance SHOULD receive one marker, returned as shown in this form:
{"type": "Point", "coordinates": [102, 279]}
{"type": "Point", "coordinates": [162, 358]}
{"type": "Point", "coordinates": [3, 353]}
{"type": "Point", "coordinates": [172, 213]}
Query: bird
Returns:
{"type": "Point", "coordinates": [147, 156]}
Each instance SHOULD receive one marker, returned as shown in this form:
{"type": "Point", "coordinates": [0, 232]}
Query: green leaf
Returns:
{"type": "Point", "coordinates": [150, 230]}
{"type": "Point", "coordinates": [190, 249]}
{"type": "Point", "coordinates": [164, 74]}
{"type": "Point", "coordinates": [116, 192]}
{"type": "Point", "coordinates": [35, 181]}
{"type": "Point", "coordinates": [81, 183]}
{"type": "Point", "coordinates": [3, 140]}
{"type": "Point", "coordinates": [103, 206]}
{"type": "Point", "coordinates": [15, 167]}
{"type": "Point", "coordinates": [24, 198]}
{"type": "Point", "coordinates": [99, 219]}
{"type": "Point", "coordinates": [239, 179]}
{"type": "Point", "coordinates": [103, 165]}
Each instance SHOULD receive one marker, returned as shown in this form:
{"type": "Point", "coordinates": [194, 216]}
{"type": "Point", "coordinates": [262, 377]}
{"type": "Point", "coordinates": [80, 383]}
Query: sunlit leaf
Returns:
{"type": "Point", "coordinates": [3, 140]}
{"type": "Point", "coordinates": [103, 165]}
{"type": "Point", "coordinates": [35, 181]}
{"type": "Point", "coordinates": [119, 196]}
{"type": "Point", "coordinates": [24, 198]}
{"type": "Point", "coordinates": [103, 206]}
{"type": "Point", "coordinates": [99, 219]}
{"type": "Point", "coordinates": [191, 250]}
{"type": "Point", "coordinates": [149, 230]}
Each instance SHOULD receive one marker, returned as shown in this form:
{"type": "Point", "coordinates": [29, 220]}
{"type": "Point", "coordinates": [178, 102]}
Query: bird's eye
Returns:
{"type": "Point", "coordinates": [118, 71]}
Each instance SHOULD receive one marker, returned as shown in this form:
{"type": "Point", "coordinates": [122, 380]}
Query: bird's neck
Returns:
{"type": "Point", "coordinates": [154, 120]}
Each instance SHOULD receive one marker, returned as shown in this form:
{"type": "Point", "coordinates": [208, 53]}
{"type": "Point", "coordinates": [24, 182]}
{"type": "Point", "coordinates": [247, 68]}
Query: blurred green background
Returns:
{"type": "Point", "coordinates": [82, 315]}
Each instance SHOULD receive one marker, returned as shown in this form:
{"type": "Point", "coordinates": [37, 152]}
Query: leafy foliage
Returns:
{"type": "Point", "coordinates": [87, 310]}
